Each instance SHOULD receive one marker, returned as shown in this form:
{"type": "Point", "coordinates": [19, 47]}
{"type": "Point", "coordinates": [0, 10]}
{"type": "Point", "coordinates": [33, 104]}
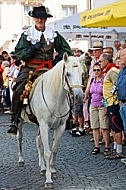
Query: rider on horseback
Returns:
{"type": "Point", "coordinates": [36, 47]}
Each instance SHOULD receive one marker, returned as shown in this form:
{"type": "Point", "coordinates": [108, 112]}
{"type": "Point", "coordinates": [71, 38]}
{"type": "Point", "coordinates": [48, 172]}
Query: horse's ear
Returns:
{"type": "Point", "coordinates": [82, 57]}
{"type": "Point", "coordinates": [65, 57]}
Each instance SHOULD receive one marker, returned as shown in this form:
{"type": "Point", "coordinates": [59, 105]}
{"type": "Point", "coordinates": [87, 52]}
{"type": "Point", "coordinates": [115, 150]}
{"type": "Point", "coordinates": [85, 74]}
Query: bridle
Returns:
{"type": "Point", "coordinates": [70, 86]}
{"type": "Point", "coordinates": [70, 96]}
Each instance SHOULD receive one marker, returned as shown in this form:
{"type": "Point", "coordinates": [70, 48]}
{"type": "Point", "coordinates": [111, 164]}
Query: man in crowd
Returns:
{"type": "Point", "coordinates": [108, 50]}
{"type": "Point", "coordinates": [112, 103]}
{"type": "Point", "coordinates": [97, 51]}
{"type": "Point", "coordinates": [35, 47]}
{"type": "Point", "coordinates": [117, 46]}
{"type": "Point", "coordinates": [121, 91]}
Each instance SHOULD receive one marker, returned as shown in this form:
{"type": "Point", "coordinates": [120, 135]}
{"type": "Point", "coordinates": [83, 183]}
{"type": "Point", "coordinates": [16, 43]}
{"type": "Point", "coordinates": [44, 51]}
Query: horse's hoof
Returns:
{"type": "Point", "coordinates": [54, 175]}
{"type": "Point", "coordinates": [48, 186]}
{"type": "Point", "coordinates": [42, 172]}
{"type": "Point", "coordinates": [21, 164]}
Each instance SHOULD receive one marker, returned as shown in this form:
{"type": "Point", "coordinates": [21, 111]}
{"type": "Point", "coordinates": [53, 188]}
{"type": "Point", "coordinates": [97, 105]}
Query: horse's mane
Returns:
{"type": "Point", "coordinates": [53, 77]}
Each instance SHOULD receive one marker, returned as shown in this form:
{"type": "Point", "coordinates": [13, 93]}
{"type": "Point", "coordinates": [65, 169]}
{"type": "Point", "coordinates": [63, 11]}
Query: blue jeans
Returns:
{"type": "Point", "coordinates": [123, 115]}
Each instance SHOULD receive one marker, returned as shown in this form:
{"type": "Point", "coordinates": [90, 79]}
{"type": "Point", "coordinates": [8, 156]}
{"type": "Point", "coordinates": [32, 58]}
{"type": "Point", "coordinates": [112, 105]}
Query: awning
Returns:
{"type": "Point", "coordinates": [112, 15]}
{"type": "Point", "coordinates": [70, 27]}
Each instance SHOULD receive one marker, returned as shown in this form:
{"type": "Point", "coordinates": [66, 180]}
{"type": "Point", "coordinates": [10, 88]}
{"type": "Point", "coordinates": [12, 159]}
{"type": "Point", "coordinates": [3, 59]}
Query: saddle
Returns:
{"type": "Point", "coordinates": [33, 79]}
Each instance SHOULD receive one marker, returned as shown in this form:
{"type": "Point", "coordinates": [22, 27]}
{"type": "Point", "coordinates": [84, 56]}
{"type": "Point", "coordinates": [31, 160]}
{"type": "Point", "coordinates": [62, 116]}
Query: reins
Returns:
{"type": "Point", "coordinates": [49, 108]}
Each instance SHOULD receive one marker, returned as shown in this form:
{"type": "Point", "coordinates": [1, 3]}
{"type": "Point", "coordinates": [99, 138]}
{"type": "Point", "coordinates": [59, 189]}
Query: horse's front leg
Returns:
{"type": "Point", "coordinates": [40, 154]}
{"type": "Point", "coordinates": [47, 153]}
{"type": "Point", "coordinates": [56, 138]}
{"type": "Point", "coordinates": [19, 139]}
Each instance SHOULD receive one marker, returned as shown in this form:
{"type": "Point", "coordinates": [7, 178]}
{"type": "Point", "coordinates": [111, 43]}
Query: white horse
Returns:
{"type": "Point", "coordinates": [50, 104]}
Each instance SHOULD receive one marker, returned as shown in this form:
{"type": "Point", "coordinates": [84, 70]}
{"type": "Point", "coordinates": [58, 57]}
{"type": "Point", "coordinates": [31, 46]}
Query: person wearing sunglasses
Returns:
{"type": "Point", "coordinates": [98, 118]}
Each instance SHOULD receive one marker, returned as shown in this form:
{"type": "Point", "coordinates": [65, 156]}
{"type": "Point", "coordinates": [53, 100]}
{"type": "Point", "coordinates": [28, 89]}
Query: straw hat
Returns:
{"type": "Point", "coordinates": [97, 45]}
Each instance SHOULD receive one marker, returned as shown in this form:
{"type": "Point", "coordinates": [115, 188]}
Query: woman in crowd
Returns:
{"type": "Point", "coordinates": [10, 73]}
{"type": "Point", "coordinates": [98, 118]}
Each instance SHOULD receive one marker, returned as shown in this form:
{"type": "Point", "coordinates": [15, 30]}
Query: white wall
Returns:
{"type": "Point", "coordinates": [99, 3]}
{"type": "Point", "coordinates": [11, 21]}
{"type": "Point", "coordinates": [55, 6]}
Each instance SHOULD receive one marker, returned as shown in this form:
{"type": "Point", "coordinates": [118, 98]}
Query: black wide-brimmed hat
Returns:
{"type": "Point", "coordinates": [39, 12]}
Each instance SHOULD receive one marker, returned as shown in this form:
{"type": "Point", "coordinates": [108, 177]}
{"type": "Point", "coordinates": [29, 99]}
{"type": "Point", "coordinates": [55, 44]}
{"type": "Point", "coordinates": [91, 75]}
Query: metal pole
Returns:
{"type": "Point", "coordinates": [90, 40]}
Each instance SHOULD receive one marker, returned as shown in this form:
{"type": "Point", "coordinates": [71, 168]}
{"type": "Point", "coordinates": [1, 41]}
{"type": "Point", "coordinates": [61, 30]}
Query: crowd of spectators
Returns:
{"type": "Point", "coordinates": [101, 108]}
{"type": "Point", "coordinates": [8, 66]}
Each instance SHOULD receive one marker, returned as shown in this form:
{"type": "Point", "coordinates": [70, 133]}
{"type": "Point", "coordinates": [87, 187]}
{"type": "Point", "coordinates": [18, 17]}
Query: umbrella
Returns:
{"type": "Point", "coordinates": [111, 15]}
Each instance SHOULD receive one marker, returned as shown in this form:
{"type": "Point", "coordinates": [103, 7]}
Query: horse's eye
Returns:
{"type": "Point", "coordinates": [68, 74]}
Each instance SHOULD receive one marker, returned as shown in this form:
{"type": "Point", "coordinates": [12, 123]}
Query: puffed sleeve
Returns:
{"type": "Point", "coordinates": [22, 47]}
{"type": "Point", "coordinates": [61, 45]}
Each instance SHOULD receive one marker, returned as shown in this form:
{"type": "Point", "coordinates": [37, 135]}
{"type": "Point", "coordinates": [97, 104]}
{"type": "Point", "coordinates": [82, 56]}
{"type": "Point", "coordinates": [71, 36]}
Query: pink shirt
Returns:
{"type": "Point", "coordinates": [11, 71]}
{"type": "Point", "coordinates": [96, 91]}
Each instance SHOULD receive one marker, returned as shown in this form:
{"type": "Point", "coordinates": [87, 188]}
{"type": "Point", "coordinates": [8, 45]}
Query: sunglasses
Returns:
{"type": "Point", "coordinates": [96, 70]}
{"type": "Point", "coordinates": [107, 52]}
{"type": "Point", "coordinates": [100, 61]}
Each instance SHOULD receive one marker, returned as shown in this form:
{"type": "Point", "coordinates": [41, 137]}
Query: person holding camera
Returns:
{"type": "Point", "coordinates": [112, 104]}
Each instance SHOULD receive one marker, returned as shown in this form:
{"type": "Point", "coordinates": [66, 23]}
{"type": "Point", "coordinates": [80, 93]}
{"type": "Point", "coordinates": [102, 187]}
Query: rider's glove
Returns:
{"type": "Point", "coordinates": [57, 58]}
{"type": "Point", "coordinates": [38, 45]}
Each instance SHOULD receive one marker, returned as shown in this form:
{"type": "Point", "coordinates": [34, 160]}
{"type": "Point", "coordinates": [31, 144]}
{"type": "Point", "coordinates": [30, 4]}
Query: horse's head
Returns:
{"type": "Point", "coordinates": [73, 75]}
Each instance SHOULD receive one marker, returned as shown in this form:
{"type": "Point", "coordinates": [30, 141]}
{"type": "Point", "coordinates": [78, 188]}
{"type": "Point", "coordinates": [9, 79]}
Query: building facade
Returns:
{"type": "Point", "coordinates": [14, 15]}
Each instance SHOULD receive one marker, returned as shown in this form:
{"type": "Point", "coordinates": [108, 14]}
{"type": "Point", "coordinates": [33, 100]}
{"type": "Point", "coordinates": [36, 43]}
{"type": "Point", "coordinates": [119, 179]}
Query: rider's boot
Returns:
{"type": "Point", "coordinates": [16, 108]}
{"type": "Point", "coordinates": [12, 129]}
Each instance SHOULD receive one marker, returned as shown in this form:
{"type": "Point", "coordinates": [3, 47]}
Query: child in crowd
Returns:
{"type": "Point", "coordinates": [5, 67]}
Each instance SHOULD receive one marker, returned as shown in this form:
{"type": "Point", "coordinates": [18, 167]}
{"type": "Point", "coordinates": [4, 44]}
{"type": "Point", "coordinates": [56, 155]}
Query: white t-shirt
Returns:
{"type": "Point", "coordinates": [16, 72]}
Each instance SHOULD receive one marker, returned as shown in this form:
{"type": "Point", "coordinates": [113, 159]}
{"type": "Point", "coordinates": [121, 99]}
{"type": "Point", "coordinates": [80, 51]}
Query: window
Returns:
{"type": "Point", "coordinates": [68, 10]}
{"type": "Point", "coordinates": [27, 20]}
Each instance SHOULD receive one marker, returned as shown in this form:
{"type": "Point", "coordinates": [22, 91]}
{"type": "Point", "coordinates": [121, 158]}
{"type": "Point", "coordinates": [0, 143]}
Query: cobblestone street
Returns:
{"type": "Point", "coordinates": [77, 168]}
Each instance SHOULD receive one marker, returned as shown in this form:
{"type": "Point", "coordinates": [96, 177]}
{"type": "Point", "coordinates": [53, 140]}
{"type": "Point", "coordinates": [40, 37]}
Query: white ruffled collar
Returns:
{"type": "Point", "coordinates": [34, 35]}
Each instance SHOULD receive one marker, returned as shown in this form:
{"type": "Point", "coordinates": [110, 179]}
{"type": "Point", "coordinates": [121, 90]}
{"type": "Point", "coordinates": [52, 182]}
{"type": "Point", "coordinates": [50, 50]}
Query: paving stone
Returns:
{"type": "Point", "coordinates": [77, 168]}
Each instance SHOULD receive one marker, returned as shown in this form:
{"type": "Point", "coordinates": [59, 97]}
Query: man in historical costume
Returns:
{"type": "Point", "coordinates": [36, 48]}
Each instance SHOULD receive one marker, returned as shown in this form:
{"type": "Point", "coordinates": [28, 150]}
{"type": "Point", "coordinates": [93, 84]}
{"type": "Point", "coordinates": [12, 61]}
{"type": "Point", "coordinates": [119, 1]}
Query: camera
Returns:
{"type": "Point", "coordinates": [114, 89]}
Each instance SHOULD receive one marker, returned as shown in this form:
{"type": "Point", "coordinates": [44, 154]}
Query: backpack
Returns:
{"type": "Point", "coordinates": [121, 85]}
